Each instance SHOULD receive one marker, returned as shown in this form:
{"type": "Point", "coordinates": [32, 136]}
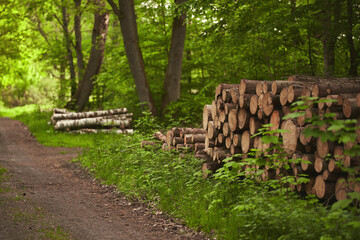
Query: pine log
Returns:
{"type": "Point", "coordinates": [187, 138]}
{"type": "Point", "coordinates": [244, 101]}
{"type": "Point", "coordinates": [90, 130]}
{"type": "Point", "coordinates": [333, 167]}
{"type": "Point", "coordinates": [266, 86]}
{"type": "Point", "coordinates": [246, 142]}
{"type": "Point", "coordinates": [214, 109]}
{"type": "Point", "coordinates": [270, 102]}
{"type": "Point", "coordinates": [260, 114]}
{"type": "Point", "coordinates": [350, 109]}
{"type": "Point", "coordinates": [228, 142]}
{"type": "Point", "coordinates": [198, 138]}
{"type": "Point", "coordinates": [249, 87]}
{"type": "Point", "coordinates": [254, 125]}
{"type": "Point", "coordinates": [254, 104]}
{"type": "Point", "coordinates": [291, 136]}
{"type": "Point", "coordinates": [199, 146]}
{"type": "Point", "coordinates": [177, 140]}
{"type": "Point", "coordinates": [193, 131]}
{"type": "Point", "coordinates": [324, 148]}
{"type": "Point", "coordinates": [229, 106]}
{"type": "Point", "coordinates": [226, 129]}
{"type": "Point", "coordinates": [207, 116]}
{"type": "Point", "coordinates": [233, 120]}
{"type": "Point", "coordinates": [159, 136]}
{"type": "Point", "coordinates": [91, 122]}
{"type": "Point", "coordinates": [341, 189]}
{"type": "Point", "coordinates": [237, 140]}
{"type": "Point", "coordinates": [220, 104]}
{"type": "Point", "coordinates": [308, 113]}
{"type": "Point", "coordinates": [222, 116]}
{"type": "Point", "coordinates": [312, 79]}
{"type": "Point", "coordinates": [306, 140]}
{"type": "Point", "coordinates": [220, 140]}
{"type": "Point", "coordinates": [217, 122]}
{"type": "Point", "coordinates": [221, 87]}
{"type": "Point", "coordinates": [234, 150]}
{"type": "Point", "coordinates": [309, 187]}
{"type": "Point", "coordinates": [208, 142]}
{"type": "Point", "coordinates": [235, 95]}
{"type": "Point", "coordinates": [212, 131]}
{"type": "Point", "coordinates": [284, 96]}
{"type": "Point", "coordinates": [243, 119]}
{"type": "Point", "coordinates": [307, 163]}
{"type": "Point", "coordinates": [176, 131]}
{"type": "Point", "coordinates": [323, 189]}
{"type": "Point", "coordinates": [226, 95]}
{"type": "Point", "coordinates": [320, 165]}
{"type": "Point", "coordinates": [353, 183]}
{"type": "Point", "coordinates": [91, 114]}
{"type": "Point", "coordinates": [169, 137]}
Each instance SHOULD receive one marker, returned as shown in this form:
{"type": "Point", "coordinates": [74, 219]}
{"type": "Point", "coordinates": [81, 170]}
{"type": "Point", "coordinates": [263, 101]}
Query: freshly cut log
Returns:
{"type": "Point", "coordinates": [220, 104]}
{"type": "Point", "coordinates": [311, 79]}
{"type": "Point", "coordinates": [353, 185]}
{"type": "Point", "coordinates": [294, 92]}
{"type": "Point", "coordinates": [188, 140]}
{"type": "Point", "coordinates": [269, 102]}
{"type": "Point", "coordinates": [290, 137]}
{"type": "Point", "coordinates": [308, 113]}
{"type": "Point", "coordinates": [323, 148]}
{"type": "Point", "coordinates": [266, 86]}
{"type": "Point", "coordinates": [243, 119]}
{"type": "Point", "coordinates": [333, 167]}
{"type": "Point", "coordinates": [226, 129]}
{"type": "Point", "coordinates": [191, 131]}
{"type": "Point", "coordinates": [341, 189]}
{"type": "Point", "coordinates": [234, 150]}
{"type": "Point", "coordinates": [212, 131]}
{"type": "Point", "coordinates": [332, 100]}
{"type": "Point", "coordinates": [254, 104]}
{"type": "Point", "coordinates": [91, 130]}
{"type": "Point", "coordinates": [228, 142]}
{"type": "Point", "coordinates": [226, 95]}
{"type": "Point", "coordinates": [159, 136]}
{"type": "Point", "coordinates": [323, 189]}
{"type": "Point", "coordinates": [283, 96]}
{"type": "Point", "coordinates": [260, 114]}
{"type": "Point", "coordinates": [303, 139]}
{"type": "Point", "coordinates": [350, 109]}
{"type": "Point", "coordinates": [275, 120]}
{"type": "Point", "coordinates": [235, 95]}
{"type": "Point", "coordinates": [259, 88]}
{"type": "Point", "coordinates": [309, 187]}
{"type": "Point", "coordinates": [207, 116]}
{"type": "Point", "coordinates": [338, 153]}
{"type": "Point", "coordinates": [217, 123]}
{"type": "Point", "coordinates": [237, 140]}
{"type": "Point", "coordinates": [222, 116]}
{"type": "Point", "coordinates": [307, 163]}
{"type": "Point", "coordinates": [246, 142]}
{"type": "Point", "coordinates": [286, 110]}
{"type": "Point", "coordinates": [198, 138]}
{"type": "Point", "coordinates": [177, 140]}
{"type": "Point", "coordinates": [260, 101]}
{"type": "Point", "coordinates": [320, 165]}
{"type": "Point", "coordinates": [220, 139]}
{"type": "Point", "coordinates": [176, 131]}
{"type": "Point", "coordinates": [60, 110]}
{"type": "Point", "coordinates": [249, 87]}
{"type": "Point", "coordinates": [254, 125]}
{"type": "Point", "coordinates": [91, 122]}
{"type": "Point", "coordinates": [169, 137]}
{"type": "Point", "coordinates": [208, 142]}
{"type": "Point", "coordinates": [221, 87]}
{"type": "Point", "coordinates": [229, 106]}
{"type": "Point", "coordinates": [244, 101]}
{"type": "Point", "coordinates": [199, 146]}
{"type": "Point", "coordinates": [214, 109]}
{"type": "Point", "coordinates": [91, 114]}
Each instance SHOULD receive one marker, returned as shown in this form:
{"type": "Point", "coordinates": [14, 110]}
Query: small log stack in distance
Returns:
{"type": "Point", "coordinates": [114, 120]}
{"type": "Point", "coordinates": [239, 110]}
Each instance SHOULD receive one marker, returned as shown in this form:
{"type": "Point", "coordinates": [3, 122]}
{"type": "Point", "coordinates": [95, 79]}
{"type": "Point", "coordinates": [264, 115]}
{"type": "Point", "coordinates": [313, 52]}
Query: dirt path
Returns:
{"type": "Point", "coordinates": [45, 183]}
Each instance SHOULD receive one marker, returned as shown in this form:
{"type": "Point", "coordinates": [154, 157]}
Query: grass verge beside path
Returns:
{"type": "Point", "coordinates": [227, 207]}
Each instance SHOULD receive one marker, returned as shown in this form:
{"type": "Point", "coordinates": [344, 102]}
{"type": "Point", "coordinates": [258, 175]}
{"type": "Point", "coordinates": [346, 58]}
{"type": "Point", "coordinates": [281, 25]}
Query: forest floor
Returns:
{"type": "Point", "coordinates": [44, 195]}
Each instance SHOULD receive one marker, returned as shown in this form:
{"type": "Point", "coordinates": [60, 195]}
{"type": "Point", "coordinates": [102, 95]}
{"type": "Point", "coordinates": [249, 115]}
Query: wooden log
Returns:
{"type": "Point", "coordinates": [269, 103]}
{"type": "Point", "coordinates": [350, 109]}
{"type": "Point", "coordinates": [199, 146]}
{"type": "Point", "coordinates": [266, 86]}
{"type": "Point", "coordinates": [254, 104]}
{"type": "Point", "coordinates": [229, 106]}
{"type": "Point", "coordinates": [312, 79]}
{"type": "Point", "coordinates": [217, 122]}
{"type": "Point", "coordinates": [320, 165]}
{"type": "Point", "coordinates": [226, 129]}
{"type": "Point", "coordinates": [308, 163]}
{"type": "Point", "coordinates": [90, 130]}
{"type": "Point", "coordinates": [208, 142]}
{"type": "Point", "coordinates": [284, 96]}
{"type": "Point", "coordinates": [243, 119]}
{"type": "Point", "coordinates": [222, 116]}
{"type": "Point", "coordinates": [214, 109]}
{"type": "Point", "coordinates": [233, 120]}
{"type": "Point", "coordinates": [228, 142]}
{"type": "Point", "coordinates": [91, 122]}
{"type": "Point", "coordinates": [353, 184]}
{"type": "Point", "coordinates": [260, 114]}
{"type": "Point", "coordinates": [324, 148]}
{"type": "Point", "coordinates": [91, 114]}
{"type": "Point", "coordinates": [226, 95]}
{"type": "Point", "coordinates": [212, 131]}
{"type": "Point", "coordinates": [246, 142]}
{"type": "Point", "coordinates": [193, 131]}
{"type": "Point", "coordinates": [254, 125]}
{"type": "Point", "coordinates": [207, 116]}
{"type": "Point", "coordinates": [176, 131]}
{"type": "Point", "coordinates": [177, 140]}
{"type": "Point", "coordinates": [235, 95]}
{"type": "Point", "coordinates": [234, 150]}
{"type": "Point", "coordinates": [338, 152]}
{"type": "Point", "coordinates": [159, 136]}
{"type": "Point", "coordinates": [333, 166]}
{"type": "Point", "coordinates": [188, 140]}
{"type": "Point", "coordinates": [341, 189]}
{"type": "Point", "coordinates": [291, 136]}
{"type": "Point", "coordinates": [237, 140]}
{"type": "Point", "coordinates": [169, 137]}
{"type": "Point", "coordinates": [220, 140]}
{"type": "Point", "coordinates": [208, 167]}
{"type": "Point", "coordinates": [309, 187]}
{"type": "Point", "coordinates": [198, 138]}
{"type": "Point", "coordinates": [323, 189]}
{"type": "Point", "coordinates": [244, 101]}
{"type": "Point", "coordinates": [308, 113]}
{"type": "Point", "coordinates": [221, 87]}
{"type": "Point", "coordinates": [286, 110]}
{"type": "Point", "coordinates": [249, 87]}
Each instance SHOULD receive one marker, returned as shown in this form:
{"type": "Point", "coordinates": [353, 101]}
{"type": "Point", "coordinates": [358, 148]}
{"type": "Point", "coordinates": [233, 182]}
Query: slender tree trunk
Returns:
{"type": "Point", "coordinates": [99, 33]}
{"type": "Point", "coordinates": [349, 36]}
{"type": "Point", "coordinates": [65, 26]}
{"type": "Point", "coordinates": [78, 41]}
{"type": "Point", "coordinates": [62, 81]}
{"type": "Point", "coordinates": [127, 17]}
{"type": "Point", "coordinates": [330, 24]}
{"type": "Point", "coordinates": [174, 68]}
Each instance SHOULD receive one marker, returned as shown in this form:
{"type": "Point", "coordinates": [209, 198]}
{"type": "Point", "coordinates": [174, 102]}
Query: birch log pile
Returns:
{"type": "Point", "coordinates": [114, 120]}
{"type": "Point", "coordinates": [239, 110]}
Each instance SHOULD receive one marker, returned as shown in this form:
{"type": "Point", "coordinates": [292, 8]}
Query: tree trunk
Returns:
{"type": "Point", "coordinates": [173, 71]}
{"type": "Point", "coordinates": [81, 97]}
{"type": "Point", "coordinates": [78, 41]}
{"type": "Point", "coordinates": [127, 17]}
{"type": "Point", "coordinates": [65, 26]}
{"type": "Point", "coordinates": [349, 36]}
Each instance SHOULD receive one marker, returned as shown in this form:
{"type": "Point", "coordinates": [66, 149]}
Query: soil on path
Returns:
{"type": "Point", "coordinates": [44, 182]}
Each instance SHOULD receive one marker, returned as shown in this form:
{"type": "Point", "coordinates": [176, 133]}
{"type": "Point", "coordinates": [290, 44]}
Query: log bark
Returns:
{"type": "Point", "coordinates": [249, 87]}
{"type": "Point", "coordinates": [91, 130]}
{"type": "Point", "coordinates": [199, 146]}
{"type": "Point", "coordinates": [91, 122]}
{"type": "Point", "coordinates": [350, 109]}
{"type": "Point", "coordinates": [323, 189]}
{"type": "Point", "coordinates": [221, 87]}
{"type": "Point", "coordinates": [244, 101]}
{"type": "Point", "coordinates": [91, 114]}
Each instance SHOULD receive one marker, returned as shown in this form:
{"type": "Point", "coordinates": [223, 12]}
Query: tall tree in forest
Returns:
{"type": "Point", "coordinates": [78, 40]}
{"type": "Point", "coordinates": [86, 84]}
{"type": "Point", "coordinates": [126, 14]}
{"type": "Point", "coordinates": [349, 36]}
{"type": "Point", "coordinates": [174, 68]}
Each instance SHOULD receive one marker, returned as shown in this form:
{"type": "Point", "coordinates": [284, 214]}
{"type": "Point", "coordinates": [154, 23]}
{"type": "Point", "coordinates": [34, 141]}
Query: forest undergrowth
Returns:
{"type": "Point", "coordinates": [226, 205]}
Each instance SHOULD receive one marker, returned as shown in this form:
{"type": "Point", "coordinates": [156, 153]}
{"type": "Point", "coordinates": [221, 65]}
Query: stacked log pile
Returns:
{"type": "Point", "coordinates": [239, 110]}
{"type": "Point", "coordinates": [114, 120]}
